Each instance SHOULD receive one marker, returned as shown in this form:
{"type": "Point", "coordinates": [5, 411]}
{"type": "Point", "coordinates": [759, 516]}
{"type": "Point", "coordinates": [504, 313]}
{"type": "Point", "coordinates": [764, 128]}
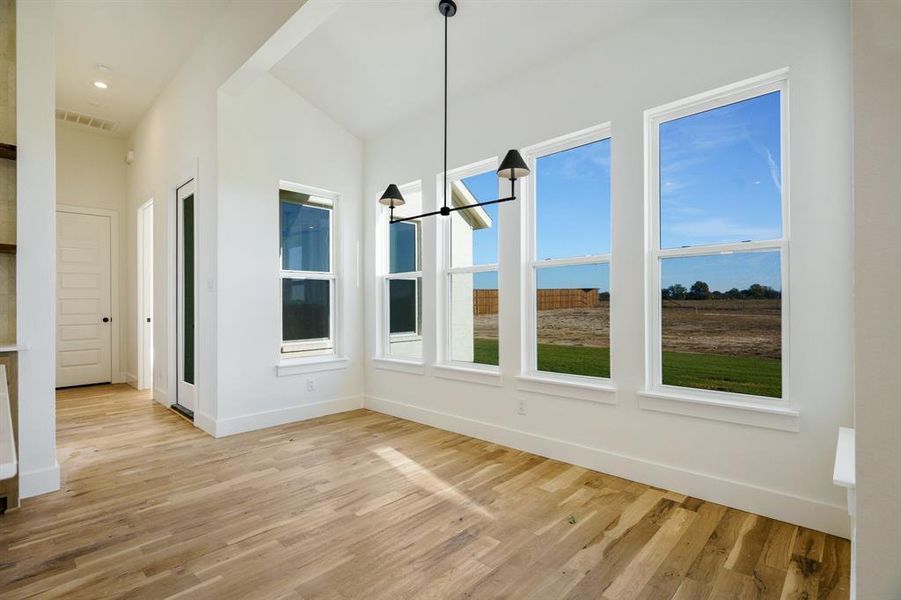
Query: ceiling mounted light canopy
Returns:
{"type": "Point", "coordinates": [513, 166]}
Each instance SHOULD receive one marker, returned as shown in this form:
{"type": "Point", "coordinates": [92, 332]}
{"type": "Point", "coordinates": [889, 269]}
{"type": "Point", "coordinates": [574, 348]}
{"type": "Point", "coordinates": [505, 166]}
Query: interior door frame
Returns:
{"type": "Point", "coordinates": [192, 171]}
{"type": "Point", "coordinates": [144, 380]}
{"type": "Point", "coordinates": [117, 374]}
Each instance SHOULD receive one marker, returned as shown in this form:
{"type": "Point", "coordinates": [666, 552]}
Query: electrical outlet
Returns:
{"type": "Point", "coordinates": [521, 406]}
{"type": "Point", "coordinates": [311, 385]}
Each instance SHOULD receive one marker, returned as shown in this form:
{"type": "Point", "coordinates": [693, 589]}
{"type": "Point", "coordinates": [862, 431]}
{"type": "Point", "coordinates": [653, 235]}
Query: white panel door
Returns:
{"type": "Point", "coordinates": [83, 326]}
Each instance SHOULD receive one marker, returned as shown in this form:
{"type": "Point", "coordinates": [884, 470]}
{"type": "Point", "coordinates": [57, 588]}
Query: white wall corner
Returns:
{"type": "Point", "coordinates": [41, 481]}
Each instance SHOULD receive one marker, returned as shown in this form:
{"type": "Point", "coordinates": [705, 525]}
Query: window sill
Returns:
{"type": "Point", "coordinates": [602, 392]}
{"type": "Point", "coordinates": [483, 376]}
{"type": "Point", "coordinates": [399, 365]}
{"type": "Point", "coordinates": [299, 366]}
{"type": "Point", "coordinates": [755, 414]}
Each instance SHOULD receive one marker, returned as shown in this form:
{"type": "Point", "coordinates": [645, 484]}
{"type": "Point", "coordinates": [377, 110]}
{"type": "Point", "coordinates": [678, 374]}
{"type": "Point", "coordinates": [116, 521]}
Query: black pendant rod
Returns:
{"type": "Point", "coordinates": [512, 167]}
{"type": "Point", "coordinates": [512, 196]}
{"type": "Point", "coordinates": [445, 109]}
{"type": "Point", "coordinates": [456, 208]}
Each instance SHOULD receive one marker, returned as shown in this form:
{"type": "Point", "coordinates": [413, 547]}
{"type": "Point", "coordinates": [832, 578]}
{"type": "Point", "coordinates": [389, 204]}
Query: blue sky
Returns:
{"type": "Point", "coordinates": [720, 175]}
{"type": "Point", "coordinates": [720, 182]}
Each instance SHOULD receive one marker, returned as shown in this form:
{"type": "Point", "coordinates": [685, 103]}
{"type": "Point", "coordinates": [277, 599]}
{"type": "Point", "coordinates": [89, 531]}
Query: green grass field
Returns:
{"type": "Point", "coordinates": [736, 374]}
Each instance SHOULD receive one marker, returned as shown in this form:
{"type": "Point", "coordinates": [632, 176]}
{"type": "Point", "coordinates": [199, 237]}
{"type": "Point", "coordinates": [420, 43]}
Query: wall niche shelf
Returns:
{"type": "Point", "coordinates": [8, 151]}
{"type": "Point", "coordinates": [7, 248]}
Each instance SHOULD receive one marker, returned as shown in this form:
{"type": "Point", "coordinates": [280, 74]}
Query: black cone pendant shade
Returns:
{"type": "Point", "coordinates": [392, 197]}
{"type": "Point", "coordinates": [513, 166]}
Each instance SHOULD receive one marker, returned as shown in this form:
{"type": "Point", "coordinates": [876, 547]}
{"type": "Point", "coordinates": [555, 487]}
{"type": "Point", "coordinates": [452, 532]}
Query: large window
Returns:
{"type": "Point", "coordinates": [402, 280]}
{"type": "Point", "coordinates": [470, 260]}
{"type": "Point", "coordinates": [718, 247]}
{"type": "Point", "coordinates": [568, 296]}
{"type": "Point", "coordinates": [307, 270]}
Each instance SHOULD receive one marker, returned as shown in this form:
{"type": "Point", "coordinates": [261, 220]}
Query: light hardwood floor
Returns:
{"type": "Point", "coordinates": [363, 505]}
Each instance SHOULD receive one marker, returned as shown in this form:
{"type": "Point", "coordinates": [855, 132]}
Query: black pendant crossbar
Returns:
{"type": "Point", "coordinates": [513, 166]}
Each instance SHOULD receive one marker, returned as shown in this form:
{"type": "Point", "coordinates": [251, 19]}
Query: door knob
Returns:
{"type": "Point", "coordinates": [106, 319]}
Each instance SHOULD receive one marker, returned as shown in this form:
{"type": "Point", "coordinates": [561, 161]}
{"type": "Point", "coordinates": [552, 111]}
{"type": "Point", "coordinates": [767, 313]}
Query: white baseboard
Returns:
{"type": "Point", "coordinates": [160, 395]}
{"type": "Point", "coordinates": [205, 422]}
{"type": "Point", "coordinates": [790, 508]}
{"type": "Point", "coordinates": [131, 379]}
{"type": "Point", "coordinates": [271, 418]}
{"type": "Point", "coordinates": [42, 481]}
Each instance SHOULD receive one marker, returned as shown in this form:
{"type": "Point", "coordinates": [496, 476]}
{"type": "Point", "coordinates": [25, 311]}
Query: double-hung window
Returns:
{"type": "Point", "coordinates": [470, 262]}
{"type": "Point", "coordinates": [402, 280]}
{"type": "Point", "coordinates": [567, 283]}
{"type": "Point", "coordinates": [718, 243]}
{"type": "Point", "coordinates": [306, 226]}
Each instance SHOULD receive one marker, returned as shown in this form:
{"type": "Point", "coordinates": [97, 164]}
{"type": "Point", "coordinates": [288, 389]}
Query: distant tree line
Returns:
{"type": "Point", "coordinates": [699, 290]}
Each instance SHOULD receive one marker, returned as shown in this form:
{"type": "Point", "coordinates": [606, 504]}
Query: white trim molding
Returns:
{"type": "Point", "coordinates": [469, 374]}
{"type": "Point", "coordinates": [299, 366]}
{"type": "Point", "coordinates": [785, 506]}
{"type": "Point", "coordinates": [271, 418]}
{"type": "Point", "coordinates": [41, 481]}
{"type": "Point", "coordinates": [769, 416]}
{"type": "Point", "coordinates": [413, 193]}
{"type": "Point", "coordinates": [530, 378]}
{"type": "Point", "coordinates": [399, 366]}
{"type": "Point", "coordinates": [778, 413]}
{"type": "Point", "coordinates": [588, 389]}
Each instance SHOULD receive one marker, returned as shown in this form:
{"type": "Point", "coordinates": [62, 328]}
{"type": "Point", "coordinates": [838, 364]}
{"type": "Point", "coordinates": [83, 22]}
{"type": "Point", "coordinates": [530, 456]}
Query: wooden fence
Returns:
{"type": "Point", "coordinates": [485, 302]}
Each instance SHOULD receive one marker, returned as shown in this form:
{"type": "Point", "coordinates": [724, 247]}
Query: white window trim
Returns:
{"type": "Point", "coordinates": [723, 406]}
{"type": "Point", "coordinates": [325, 350]}
{"type": "Point", "coordinates": [580, 387]}
{"type": "Point", "coordinates": [447, 367]}
{"type": "Point", "coordinates": [382, 358]}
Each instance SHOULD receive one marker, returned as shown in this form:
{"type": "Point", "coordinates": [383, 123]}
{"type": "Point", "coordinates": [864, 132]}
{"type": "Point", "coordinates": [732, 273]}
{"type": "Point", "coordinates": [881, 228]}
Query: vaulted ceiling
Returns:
{"type": "Point", "coordinates": [375, 63]}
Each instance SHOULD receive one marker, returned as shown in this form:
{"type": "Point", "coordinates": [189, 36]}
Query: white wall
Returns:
{"type": "Point", "coordinates": [877, 208]}
{"type": "Point", "coordinates": [267, 134]}
{"type": "Point", "coordinates": [677, 52]}
{"type": "Point", "coordinates": [35, 259]}
{"type": "Point", "coordinates": [90, 173]}
{"type": "Point", "coordinates": [176, 140]}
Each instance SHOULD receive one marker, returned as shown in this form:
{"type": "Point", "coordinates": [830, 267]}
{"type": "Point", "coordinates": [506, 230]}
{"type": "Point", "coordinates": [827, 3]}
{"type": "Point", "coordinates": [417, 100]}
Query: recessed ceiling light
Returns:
{"type": "Point", "coordinates": [104, 68]}
{"type": "Point", "coordinates": [101, 84]}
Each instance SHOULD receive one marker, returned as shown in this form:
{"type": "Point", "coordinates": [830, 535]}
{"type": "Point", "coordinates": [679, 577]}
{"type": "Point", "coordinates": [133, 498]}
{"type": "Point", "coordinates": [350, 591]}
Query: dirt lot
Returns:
{"type": "Point", "coordinates": [730, 327]}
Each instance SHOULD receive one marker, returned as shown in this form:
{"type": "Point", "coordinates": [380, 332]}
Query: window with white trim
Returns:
{"type": "Point", "coordinates": [718, 243]}
{"type": "Point", "coordinates": [470, 263]}
{"type": "Point", "coordinates": [567, 299]}
{"type": "Point", "coordinates": [401, 283]}
{"type": "Point", "coordinates": [308, 279]}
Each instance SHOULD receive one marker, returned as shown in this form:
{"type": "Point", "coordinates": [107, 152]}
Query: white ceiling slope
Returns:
{"type": "Point", "coordinates": [143, 41]}
{"type": "Point", "coordinates": [374, 63]}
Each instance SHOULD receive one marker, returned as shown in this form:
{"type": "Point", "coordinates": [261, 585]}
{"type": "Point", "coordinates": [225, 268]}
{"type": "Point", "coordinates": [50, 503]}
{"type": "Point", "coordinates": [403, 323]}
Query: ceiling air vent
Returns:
{"type": "Point", "coordinates": [70, 116]}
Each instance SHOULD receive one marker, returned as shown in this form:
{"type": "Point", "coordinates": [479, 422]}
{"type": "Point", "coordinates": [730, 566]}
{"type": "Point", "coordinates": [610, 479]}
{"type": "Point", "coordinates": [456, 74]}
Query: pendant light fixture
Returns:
{"type": "Point", "coordinates": [513, 167]}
